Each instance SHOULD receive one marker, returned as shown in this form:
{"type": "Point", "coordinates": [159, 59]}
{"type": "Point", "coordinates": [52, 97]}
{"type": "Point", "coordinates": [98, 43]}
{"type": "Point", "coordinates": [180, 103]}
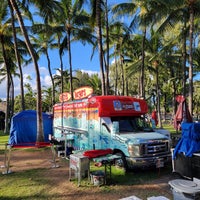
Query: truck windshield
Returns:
{"type": "Point", "coordinates": [132, 124]}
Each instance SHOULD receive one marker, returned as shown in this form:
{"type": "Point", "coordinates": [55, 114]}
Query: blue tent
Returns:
{"type": "Point", "coordinates": [23, 129]}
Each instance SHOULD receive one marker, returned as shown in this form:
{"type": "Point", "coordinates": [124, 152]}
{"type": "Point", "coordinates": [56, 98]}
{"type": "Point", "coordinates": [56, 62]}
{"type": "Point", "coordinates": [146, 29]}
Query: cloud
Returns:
{"type": "Point", "coordinates": [90, 72]}
{"type": "Point", "coordinates": [29, 78]}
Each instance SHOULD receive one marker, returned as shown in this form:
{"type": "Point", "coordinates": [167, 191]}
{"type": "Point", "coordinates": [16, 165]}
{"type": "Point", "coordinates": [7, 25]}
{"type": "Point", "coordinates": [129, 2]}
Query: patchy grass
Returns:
{"type": "Point", "coordinates": [24, 185]}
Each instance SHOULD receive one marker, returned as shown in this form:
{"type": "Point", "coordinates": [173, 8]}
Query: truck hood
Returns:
{"type": "Point", "coordinates": [137, 138]}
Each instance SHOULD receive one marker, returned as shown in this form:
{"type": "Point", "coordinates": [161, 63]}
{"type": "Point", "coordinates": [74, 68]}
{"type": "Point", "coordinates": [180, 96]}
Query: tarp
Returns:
{"type": "Point", "coordinates": [182, 113]}
{"type": "Point", "coordinates": [190, 139]}
{"type": "Point", "coordinates": [23, 129]}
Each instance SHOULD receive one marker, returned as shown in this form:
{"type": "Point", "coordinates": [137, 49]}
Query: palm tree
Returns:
{"type": "Point", "coordinates": [6, 50]}
{"type": "Point", "coordinates": [44, 42]}
{"type": "Point", "coordinates": [17, 57]}
{"type": "Point", "coordinates": [191, 6]}
{"type": "Point", "coordinates": [73, 22]}
{"type": "Point", "coordinates": [183, 11]}
{"type": "Point", "coordinates": [40, 132]}
{"type": "Point", "coordinates": [63, 76]}
{"type": "Point", "coordinates": [96, 21]}
{"type": "Point", "coordinates": [95, 82]}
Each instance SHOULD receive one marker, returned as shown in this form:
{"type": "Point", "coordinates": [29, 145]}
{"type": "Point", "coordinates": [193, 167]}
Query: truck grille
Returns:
{"type": "Point", "coordinates": [155, 148]}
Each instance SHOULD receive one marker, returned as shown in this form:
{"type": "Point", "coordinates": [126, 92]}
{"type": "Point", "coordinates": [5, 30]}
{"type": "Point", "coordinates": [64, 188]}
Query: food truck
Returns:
{"type": "Point", "coordinates": [111, 122]}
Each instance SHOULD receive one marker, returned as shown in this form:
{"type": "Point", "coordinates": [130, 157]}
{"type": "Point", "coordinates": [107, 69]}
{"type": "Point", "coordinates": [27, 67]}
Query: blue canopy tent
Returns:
{"type": "Point", "coordinates": [23, 129]}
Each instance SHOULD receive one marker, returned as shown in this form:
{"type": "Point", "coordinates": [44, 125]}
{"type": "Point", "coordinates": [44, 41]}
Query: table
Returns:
{"type": "Point", "coordinates": [107, 161]}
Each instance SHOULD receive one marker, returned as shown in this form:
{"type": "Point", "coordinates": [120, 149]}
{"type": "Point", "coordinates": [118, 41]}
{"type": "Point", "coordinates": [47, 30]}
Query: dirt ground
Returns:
{"type": "Point", "coordinates": [64, 189]}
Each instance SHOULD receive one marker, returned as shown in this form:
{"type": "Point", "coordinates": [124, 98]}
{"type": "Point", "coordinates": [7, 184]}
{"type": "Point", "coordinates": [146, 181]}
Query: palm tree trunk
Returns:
{"type": "Point", "coordinates": [99, 40]}
{"type": "Point", "coordinates": [191, 10]}
{"type": "Point", "coordinates": [158, 97]}
{"type": "Point", "coordinates": [116, 72]}
{"type": "Point", "coordinates": [122, 74]}
{"type": "Point", "coordinates": [61, 67]}
{"type": "Point", "coordinates": [12, 95]}
{"type": "Point", "coordinates": [18, 58]}
{"type": "Point", "coordinates": [107, 49]}
{"type": "Point", "coordinates": [7, 114]}
{"type": "Point", "coordinates": [40, 132]}
{"type": "Point", "coordinates": [70, 64]}
{"type": "Point", "coordinates": [184, 58]}
{"type": "Point", "coordinates": [142, 91]}
{"type": "Point", "coordinates": [52, 80]}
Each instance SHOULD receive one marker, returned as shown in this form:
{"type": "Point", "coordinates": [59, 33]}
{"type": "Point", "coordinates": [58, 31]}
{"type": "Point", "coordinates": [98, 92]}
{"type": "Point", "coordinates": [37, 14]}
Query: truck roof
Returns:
{"type": "Point", "coordinates": [110, 106]}
{"type": "Point", "coordinates": [119, 105]}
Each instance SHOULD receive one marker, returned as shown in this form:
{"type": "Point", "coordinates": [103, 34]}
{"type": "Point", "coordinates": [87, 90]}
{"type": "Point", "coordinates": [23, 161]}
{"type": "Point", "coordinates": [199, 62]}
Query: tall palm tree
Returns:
{"type": "Point", "coordinates": [96, 23]}
{"type": "Point", "coordinates": [44, 42]}
{"type": "Point", "coordinates": [17, 57]}
{"type": "Point", "coordinates": [40, 132]}
{"type": "Point", "coordinates": [191, 6]}
{"type": "Point", "coordinates": [73, 20]}
{"type": "Point", "coordinates": [6, 49]}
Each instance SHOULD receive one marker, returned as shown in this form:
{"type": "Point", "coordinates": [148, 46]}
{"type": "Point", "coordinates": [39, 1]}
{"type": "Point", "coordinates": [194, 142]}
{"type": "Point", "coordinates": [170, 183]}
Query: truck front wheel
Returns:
{"type": "Point", "coordinates": [121, 163]}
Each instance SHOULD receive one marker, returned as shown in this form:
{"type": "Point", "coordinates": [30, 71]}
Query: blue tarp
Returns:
{"type": "Point", "coordinates": [23, 129]}
{"type": "Point", "coordinates": [190, 139]}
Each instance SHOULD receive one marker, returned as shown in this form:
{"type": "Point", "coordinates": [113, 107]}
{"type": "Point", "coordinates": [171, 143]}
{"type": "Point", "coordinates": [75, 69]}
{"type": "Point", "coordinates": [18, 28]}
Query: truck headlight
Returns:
{"type": "Point", "coordinates": [134, 150]}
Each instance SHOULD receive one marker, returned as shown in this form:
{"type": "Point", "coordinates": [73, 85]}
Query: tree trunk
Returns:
{"type": "Point", "coordinates": [99, 41]}
{"type": "Point", "coordinates": [61, 66]}
{"type": "Point", "coordinates": [40, 132]}
{"type": "Point", "coordinates": [142, 91]}
{"type": "Point", "coordinates": [107, 50]}
{"type": "Point", "coordinates": [52, 80]}
{"type": "Point", "coordinates": [122, 75]}
{"type": "Point", "coordinates": [7, 114]}
{"type": "Point", "coordinates": [158, 97]}
{"type": "Point", "coordinates": [191, 10]}
{"type": "Point", "coordinates": [184, 58]}
{"type": "Point", "coordinates": [116, 73]}
{"type": "Point", "coordinates": [70, 64]}
{"type": "Point", "coordinates": [17, 58]}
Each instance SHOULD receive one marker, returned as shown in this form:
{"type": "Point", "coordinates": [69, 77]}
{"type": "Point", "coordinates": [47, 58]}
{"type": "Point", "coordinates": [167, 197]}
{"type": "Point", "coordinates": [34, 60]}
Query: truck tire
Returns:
{"type": "Point", "coordinates": [121, 163]}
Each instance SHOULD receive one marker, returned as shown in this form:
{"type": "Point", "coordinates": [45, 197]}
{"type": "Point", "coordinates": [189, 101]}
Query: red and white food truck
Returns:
{"type": "Point", "coordinates": [112, 122]}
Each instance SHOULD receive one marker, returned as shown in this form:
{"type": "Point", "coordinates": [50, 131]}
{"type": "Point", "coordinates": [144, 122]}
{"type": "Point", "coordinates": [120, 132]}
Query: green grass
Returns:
{"type": "Point", "coordinates": [32, 185]}
{"type": "Point", "coordinates": [24, 185]}
{"type": "Point", "coordinates": [3, 141]}
{"type": "Point", "coordinates": [136, 176]}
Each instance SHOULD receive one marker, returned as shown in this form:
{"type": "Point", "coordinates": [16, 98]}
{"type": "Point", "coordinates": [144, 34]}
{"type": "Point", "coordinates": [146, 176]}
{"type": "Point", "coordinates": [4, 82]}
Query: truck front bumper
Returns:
{"type": "Point", "coordinates": [157, 161]}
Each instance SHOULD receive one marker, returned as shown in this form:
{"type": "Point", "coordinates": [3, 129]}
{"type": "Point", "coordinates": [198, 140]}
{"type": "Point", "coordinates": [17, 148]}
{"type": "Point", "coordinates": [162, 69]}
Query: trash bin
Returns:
{"type": "Point", "coordinates": [97, 178]}
{"type": "Point", "coordinates": [185, 189]}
